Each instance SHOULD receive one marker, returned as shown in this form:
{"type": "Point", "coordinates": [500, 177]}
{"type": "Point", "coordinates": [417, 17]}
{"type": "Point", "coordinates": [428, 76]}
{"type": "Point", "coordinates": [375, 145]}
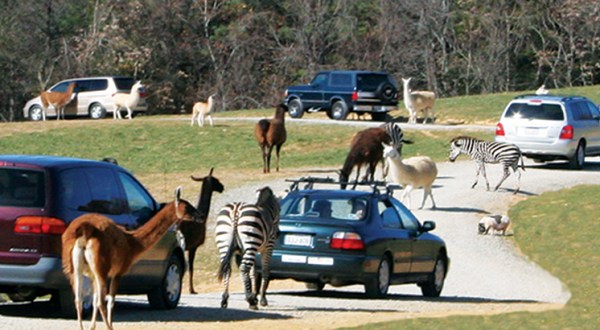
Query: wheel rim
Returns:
{"type": "Point", "coordinates": [384, 277]}
{"type": "Point", "coordinates": [173, 283]}
{"type": "Point", "coordinates": [35, 113]}
{"type": "Point", "coordinates": [439, 275]}
{"type": "Point", "coordinates": [96, 111]}
{"type": "Point", "coordinates": [294, 109]}
{"type": "Point", "coordinates": [337, 111]}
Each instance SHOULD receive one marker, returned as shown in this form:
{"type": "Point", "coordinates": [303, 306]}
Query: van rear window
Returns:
{"type": "Point", "coordinates": [537, 111]}
{"type": "Point", "coordinates": [124, 83]}
{"type": "Point", "coordinates": [22, 188]}
{"type": "Point", "coordinates": [371, 81]}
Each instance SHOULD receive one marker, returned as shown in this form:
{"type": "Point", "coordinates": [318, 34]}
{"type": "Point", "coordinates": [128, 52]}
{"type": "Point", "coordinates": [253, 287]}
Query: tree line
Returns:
{"type": "Point", "coordinates": [248, 51]}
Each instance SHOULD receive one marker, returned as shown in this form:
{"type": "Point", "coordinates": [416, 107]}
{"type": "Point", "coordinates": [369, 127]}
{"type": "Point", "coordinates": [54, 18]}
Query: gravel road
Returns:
{"type": "Point", "coordinates": [487, 274]}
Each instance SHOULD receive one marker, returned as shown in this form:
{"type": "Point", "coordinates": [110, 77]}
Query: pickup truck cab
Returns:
{"type": "Point", "coordinates": [341, 92]}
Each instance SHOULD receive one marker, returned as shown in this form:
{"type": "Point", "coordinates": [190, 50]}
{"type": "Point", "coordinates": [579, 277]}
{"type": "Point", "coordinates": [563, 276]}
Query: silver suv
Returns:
{"type": "Point", "coordinates": [551, 127]}
{"type": "Point", "coordinates": [93, 97]}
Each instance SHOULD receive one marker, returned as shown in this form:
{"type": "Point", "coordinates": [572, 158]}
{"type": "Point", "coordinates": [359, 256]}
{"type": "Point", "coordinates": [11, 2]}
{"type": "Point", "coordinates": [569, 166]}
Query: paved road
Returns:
{"type": "Point", "coordinates": [487, 274]}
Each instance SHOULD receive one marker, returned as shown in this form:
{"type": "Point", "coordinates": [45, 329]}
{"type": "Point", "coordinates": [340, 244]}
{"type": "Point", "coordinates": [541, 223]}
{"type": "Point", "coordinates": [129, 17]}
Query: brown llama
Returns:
{"type": "Point", "coordinates": [58, 100]}
{"type": "Point", "coordinates": [194, 232]}
{"type": "Point", "coordinates": [366, 149]}
{"type": "Point", "coordinates": [94, 246]}
{"type": "Point", "coordinates": [271, 133]}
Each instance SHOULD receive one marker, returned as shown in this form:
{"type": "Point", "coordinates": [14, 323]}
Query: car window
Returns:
{"type": "Point", "coordinates": [341, 79]}
{"type": "Point", "coordinates": [62, 87]}
{"type": "Point", "coordinates": [92, 85]}
{"type": "Point", "coordinates": [91, 190]}
{"type": "Point", "coordinates": [140, 203]}
{"type": "Point", "coordinates": [319, 79]}
{"type": "Point", "coordinates": [593, 110]}
{"type": "Point", "coordinates": [409, 221]}
{"type": "Point", "coordinates": [22, 188]}
{"type": "Point", "coordinates": [124, 83]}
{"type": "Point", "coordinates": [325, 207]}
{"type": "Point", "coordinates": [371, 80]}
{"type": "Point", "coordinates": [390, 218]}
{"type": "Point", "coordinates": [540, 111]}
{"type": "Point", "coordinates": [580, 111]}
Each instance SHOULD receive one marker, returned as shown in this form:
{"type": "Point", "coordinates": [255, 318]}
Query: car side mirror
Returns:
{"type": "Point", "coordinates": [428, 226]}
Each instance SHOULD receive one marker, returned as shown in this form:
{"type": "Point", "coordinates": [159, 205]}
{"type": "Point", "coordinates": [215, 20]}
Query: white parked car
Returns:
{"type": "Point", "coordinates": [93, 97]}
{"type": "Point", "coordinates": [551, 127]}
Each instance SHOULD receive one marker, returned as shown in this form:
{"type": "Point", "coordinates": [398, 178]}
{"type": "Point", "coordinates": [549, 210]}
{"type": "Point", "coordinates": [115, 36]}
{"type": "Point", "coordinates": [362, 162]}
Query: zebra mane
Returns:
{"type": "Point", "coordinates": [464, 137]}
{"type": "Point", "coordinates": [267, 201]}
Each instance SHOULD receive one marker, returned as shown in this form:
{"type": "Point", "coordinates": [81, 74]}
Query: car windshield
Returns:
{"type": "Point", "coordinates": [535, 111]}
{"type": "Point", "coordinates": [21, 188]}
{"type": "Point", "coordinates": [322, 207]}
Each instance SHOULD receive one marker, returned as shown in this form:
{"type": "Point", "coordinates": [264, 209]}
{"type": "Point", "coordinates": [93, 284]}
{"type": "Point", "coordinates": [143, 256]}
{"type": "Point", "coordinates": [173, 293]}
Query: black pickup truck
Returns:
{"type": "Point", "coordinates": [342, 92]}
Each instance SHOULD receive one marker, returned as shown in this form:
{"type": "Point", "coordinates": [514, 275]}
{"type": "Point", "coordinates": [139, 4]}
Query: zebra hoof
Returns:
{"type": "Point", "coordinates": [253, 307]}
{"type": "Point", "coordinates": [264, 303]}
{"type": "Point", "coordinates": [224, 304]}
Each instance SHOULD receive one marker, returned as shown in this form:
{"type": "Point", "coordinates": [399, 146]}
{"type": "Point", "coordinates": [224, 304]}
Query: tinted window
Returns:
{"type": "Point", "coordinates": [580, 111]}
{"type": "Point", "coordinates": [409, 221]}
{"type": "Point", "coordinates": [124, 83]}
{"type": "Point", "coordinates": [535, 111]}
{"type": "Point", "coordinates": [319, 79]}
{"type": "Point", "coordinates": [140, 203]}
{"type": "Point", "coordinates": [341, 79]}
{"type": "Point", "coordinates": [62, 87]}
{"type": "Point", "coordinates": [91, 190]}
{"type": "Point", "coordinates": [22, 188]}
{"type": "Point", "coordinates": [315, 207]}
{"type": "Point", "coordinates": [372, 81]}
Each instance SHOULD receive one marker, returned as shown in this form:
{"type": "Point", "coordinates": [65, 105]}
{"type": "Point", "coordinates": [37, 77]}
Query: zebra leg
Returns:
{"type": "Point", "coordinates": [225, 295]}
{"type": "Point", "coordinates": [487, 183]}
{"type": "Point", "coordinates": [479, 165]}
{"type": "Point", "coordinates": [245, 272]}
{"type": "Point", "coordinates": [518, 174]}
{"type": "Point", "coordinates": [266, 272]}
{"type": "Point", "coordinates": [506, 174]}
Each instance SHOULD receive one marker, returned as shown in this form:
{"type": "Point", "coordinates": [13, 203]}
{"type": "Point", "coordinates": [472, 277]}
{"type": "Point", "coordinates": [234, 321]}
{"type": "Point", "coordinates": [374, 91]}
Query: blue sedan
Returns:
{"type": "Point", "coordinates": [344, 237]}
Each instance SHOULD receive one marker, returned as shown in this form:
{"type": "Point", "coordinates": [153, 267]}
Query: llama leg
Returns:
{"type": "Point", "coordinates": [201, 119]}
{"type": "Point", "coordinates": [77, 259]}
{"type": "Point", "coordinates": [357, 175]}
{"type": "Point", "coordinates": [110, 300]}
{"type": "Point", "coordinates": [406, 195]}
{"type": "Point", "coordinates": [269, 152]}
{"type": "Point", "coordinates": [129, 113]}
{"type": "Point", "coordinates": [210, 120]}
{"type": "Point", "coordinates": [427, 192]}
{"type": "Point", "coordinates": [193, 117]}
{"type": "Point", "coordinates": [277, 148]}
{"type": "Point", "coordinates": [191, 257]}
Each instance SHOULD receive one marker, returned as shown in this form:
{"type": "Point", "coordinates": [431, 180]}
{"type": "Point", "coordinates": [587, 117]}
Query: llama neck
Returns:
{"type": "Point", "coordinates": [203, 206]}
{"type": "Point", "coordinates": [151, 232]}
{"type": "Point", "coordinates": [406, 93]}
{"type": "Point", "coordinates": [280, 115]}
{"type": "Point", "coordinates": [211, 102]}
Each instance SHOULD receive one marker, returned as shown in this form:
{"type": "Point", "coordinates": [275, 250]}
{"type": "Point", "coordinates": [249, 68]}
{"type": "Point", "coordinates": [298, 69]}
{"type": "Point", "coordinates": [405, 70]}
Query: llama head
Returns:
{"type": "Point", "coordinates": [389, 151]}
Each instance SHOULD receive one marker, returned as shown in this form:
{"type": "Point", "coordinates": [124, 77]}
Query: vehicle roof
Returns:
{"type": "Point", "coordinates": [333, 192]}
{"type": "Point", "coordinates": [354, 71]}
{"type": "Point", "coordinates": [555, 98]}
{"type": "Point", "coordinates": [49, 161]}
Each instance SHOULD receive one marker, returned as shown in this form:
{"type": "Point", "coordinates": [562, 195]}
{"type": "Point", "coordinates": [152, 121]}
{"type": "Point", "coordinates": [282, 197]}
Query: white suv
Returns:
{"type": "Point", "coordinates": [550, 127]}
{"type": "Point", "coordinates": [93, 97]}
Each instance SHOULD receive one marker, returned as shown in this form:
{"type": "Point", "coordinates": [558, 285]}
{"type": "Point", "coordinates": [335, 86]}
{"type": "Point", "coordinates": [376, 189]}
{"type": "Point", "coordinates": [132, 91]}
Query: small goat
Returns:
{"type": "Point", "coordinates": [94, 246]}
{"type": "Point", "coordinates": [496, 223]}
{"type": "Point", "coordinates": [195, 232]}
{"type": "Point", "coordinates": [416, 101]}
{"type": "Point", "coordinates": [58, 100]}
{"type": "Point", "coordinates": [127, 101]}
{"type": "Point", "coordinates": [414, 172]}
{"type": "Point", "coordinates": [271, 133]}
{"type": "Point", "coordinates": [203, 109]}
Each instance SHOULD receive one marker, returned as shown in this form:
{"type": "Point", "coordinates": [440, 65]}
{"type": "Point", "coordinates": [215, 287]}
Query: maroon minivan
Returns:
{"type": "Point", "coordinates": [41, 195]}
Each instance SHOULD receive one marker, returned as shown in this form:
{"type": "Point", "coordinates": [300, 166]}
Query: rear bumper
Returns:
{"type": "Point", "coordinates": [47, 273]}
{"type": "Point", "coordinates": [559, 149]}
{"type": "Point", "coordinates": [374, 108]}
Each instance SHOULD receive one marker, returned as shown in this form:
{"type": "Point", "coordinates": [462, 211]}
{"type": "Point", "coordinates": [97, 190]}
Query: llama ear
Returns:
{"type": "Point", "coordinates": [197, 178]}
{"type": "Point", "coordinates": [211, 171]}
{"type": "Point", "coordinates": [177, 200]}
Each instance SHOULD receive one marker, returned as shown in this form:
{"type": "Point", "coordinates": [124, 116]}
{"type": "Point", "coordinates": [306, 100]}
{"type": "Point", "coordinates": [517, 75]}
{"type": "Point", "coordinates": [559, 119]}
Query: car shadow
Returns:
{"type": "Point", "coordinates": [131, 311]}
{"type": "Point", "coordinates": [590, 166]}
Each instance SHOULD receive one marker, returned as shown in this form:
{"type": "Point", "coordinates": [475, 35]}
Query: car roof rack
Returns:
{"type": "Point", "coordinates": [376, 186]}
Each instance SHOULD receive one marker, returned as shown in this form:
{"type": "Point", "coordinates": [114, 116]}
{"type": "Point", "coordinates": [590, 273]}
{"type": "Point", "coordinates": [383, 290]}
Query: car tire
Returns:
{"type": "Point", "coordinates": [339, 110]}
{"type": "Point", "coordinates": [386, 91]}
{"type": "Point", "coordinates": [378, 287]}
{"type": "Point", "coordinates": [295, 108]}
{"type": "Point", "coordinates": [315, 286]}
{"type": "Point", "coordinates": [168, 293]}
{"type": "Point", "coordinates": [66, 300]}
{"type": "Point", "coordinates": [434, 285]}
{"type": "Point", "coordinates": [97, 111]}
{"type": "Point", "coordinates": [578, 160]}
{"type": "Point", "coordinates": [36, 113]}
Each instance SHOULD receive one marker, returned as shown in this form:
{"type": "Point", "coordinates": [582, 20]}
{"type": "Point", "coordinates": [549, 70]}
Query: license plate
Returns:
{"type": "Point", "coordinates": [287, 258]}
{"type": "Point", "coordinates": [297, 240]}
{"type": "Point", "coordinates": [532, 131]}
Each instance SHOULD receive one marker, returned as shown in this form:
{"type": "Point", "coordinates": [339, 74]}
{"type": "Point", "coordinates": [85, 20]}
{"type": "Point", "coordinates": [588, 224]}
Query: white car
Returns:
{"type": "Point", "coordinates": [93, 97]}
{"type": "Point", "coordinates": [551, 127]}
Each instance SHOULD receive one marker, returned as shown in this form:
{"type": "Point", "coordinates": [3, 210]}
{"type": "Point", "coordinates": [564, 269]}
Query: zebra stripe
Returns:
{"type": "Point", "coordinates": [508, 155]}
{"type": "Point", "coordinates": [247, 229]}
{"type": "Point", "coordinates": [395, 132]}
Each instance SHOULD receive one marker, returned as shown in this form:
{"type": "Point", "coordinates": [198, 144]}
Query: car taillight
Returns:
{"type": "Point", "coordinates": [286, 93]}
{"type": "Point", "coordinates": [355, 96]}
{"type": "Point", "coordinates": [39, 225]}
{"type": "Point", "coordinates": [346, 241]}
{"type": "Point", "coordinates": [567, 133]}
{"type": "Point", "coordinates": [499, 130]}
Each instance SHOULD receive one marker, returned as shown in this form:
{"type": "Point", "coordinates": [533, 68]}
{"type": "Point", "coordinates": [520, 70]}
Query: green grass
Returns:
{"type": "Point", "coordinates": [557, 231]}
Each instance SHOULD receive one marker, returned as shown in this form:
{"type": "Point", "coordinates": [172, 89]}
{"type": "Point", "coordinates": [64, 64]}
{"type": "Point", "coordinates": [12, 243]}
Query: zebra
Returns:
{"type": "Point", "coordinates": [246, 229]}
{"type": "Point", "coordinates": [394, 131]}
{"type": "Point", "coordinates": [489, 152]}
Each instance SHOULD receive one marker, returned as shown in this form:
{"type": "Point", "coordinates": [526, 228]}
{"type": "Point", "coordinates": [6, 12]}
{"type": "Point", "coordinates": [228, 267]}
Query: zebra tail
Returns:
{"type": "Point", "coordinates": [225, 266]}
{"type": "Point", "coordinates": [522, 162]}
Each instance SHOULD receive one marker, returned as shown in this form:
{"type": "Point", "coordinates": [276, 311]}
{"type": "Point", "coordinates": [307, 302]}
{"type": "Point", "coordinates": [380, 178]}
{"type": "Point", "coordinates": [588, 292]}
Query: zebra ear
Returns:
{"type": "Point", "coordinates": [407, 141]}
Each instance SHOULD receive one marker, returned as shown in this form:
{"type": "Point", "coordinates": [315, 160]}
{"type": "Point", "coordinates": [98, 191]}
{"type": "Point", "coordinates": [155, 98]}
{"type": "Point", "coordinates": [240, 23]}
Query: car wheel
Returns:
{"type": "Point", "coordinates": [166, 296]}
{"type": "Point", "coordinates": [315, 286]}
{"type": "Point", "coordinates": [434, 285]}
{"type": "Point", "coordinates": [378, 286]}
{"type": "Point", "coordinates": [578, 160]}
{"type": "Point", "coordinates": [385, 91]}
{"type": "Point", "coordinates": [66, 300]}
{"type": "Point", "coordinates": [36, 113]}
{"type": "Point", "coordinates": [295, 108]}
{"type": "Point", "coordinates": [339, 110]}
{"type": "Point", "coordinates": [97, 111]}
